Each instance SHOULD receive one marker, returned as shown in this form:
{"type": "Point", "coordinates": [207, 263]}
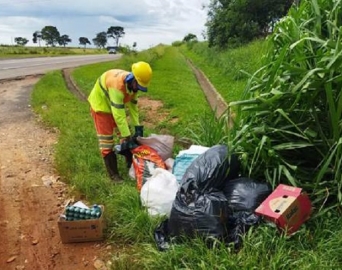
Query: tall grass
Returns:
{"type": "Point", "coordinates": [290, 124]}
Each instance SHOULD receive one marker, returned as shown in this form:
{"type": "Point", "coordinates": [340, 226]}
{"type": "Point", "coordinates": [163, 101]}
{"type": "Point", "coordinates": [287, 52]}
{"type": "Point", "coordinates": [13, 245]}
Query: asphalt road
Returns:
{"type": "Point", "coordinates": [14, 68]}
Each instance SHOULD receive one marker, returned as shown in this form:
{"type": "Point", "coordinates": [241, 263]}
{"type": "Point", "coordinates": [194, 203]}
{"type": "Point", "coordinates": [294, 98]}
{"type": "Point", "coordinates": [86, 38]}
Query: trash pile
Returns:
{"type": "Point", "coordinates": [202, 194]}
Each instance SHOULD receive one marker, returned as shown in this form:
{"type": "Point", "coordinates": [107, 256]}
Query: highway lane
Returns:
{"type": "Point", "coordinates": [14, 68]}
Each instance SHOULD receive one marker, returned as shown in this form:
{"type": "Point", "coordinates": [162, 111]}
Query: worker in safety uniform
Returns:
{"type": "Point", "coordinates": [115, 91]}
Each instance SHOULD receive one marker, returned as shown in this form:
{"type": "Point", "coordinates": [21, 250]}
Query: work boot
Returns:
{"type": "Point", "coordinates": [111, 163]}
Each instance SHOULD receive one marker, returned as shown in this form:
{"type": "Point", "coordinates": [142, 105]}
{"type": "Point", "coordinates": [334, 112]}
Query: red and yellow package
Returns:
{"type": "Point", "coordinates": [145, 161]}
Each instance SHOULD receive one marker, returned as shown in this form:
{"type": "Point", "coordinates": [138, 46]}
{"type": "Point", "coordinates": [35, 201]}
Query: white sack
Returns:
{"type": "Point", "coordinates": [158, 193]}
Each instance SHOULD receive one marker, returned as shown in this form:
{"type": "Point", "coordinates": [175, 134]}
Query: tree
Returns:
{"type": "Point", "coordinates": [115, 32]}
{"type": "Point", "coordinates": [51, 35]}
{"type": "Point", "coordinates": [190, 37]}
{"type": "Point", "coordinates": [84, 41]}
{"type": "Point", "coordinates": [100, 40]}
{"type": "Point", "coordinates": [37, 36]}
{"type": "Point", "coordinates": [234, 22]}
{"type": "Point", "coordinates": [21, 41]}
{"type": "Point", "coordinates": [64, 40]}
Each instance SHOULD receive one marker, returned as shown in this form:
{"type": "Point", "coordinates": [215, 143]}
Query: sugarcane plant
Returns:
{"type": "Point", "coordinates": [288, 127]}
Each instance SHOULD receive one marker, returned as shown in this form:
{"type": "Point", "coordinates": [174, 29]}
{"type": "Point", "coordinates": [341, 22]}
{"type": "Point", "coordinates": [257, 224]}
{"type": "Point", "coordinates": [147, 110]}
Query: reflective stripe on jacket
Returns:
{"type": "Point", "coordinates": [110, 95]}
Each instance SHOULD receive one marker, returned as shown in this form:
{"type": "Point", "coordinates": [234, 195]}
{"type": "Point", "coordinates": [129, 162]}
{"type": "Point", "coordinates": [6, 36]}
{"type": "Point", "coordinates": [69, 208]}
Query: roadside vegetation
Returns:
{"type": "Point", "coordinates": [279, 127]}
{"type": "Point", "coordinates": [20, 51]}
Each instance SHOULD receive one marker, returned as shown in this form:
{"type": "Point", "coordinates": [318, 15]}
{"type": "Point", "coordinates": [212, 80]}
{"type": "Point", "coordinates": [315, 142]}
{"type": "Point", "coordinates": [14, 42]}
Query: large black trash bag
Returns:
{"type": "Point", "coordinates": [206, 216]}
{"type": "Point", "coordinates": [200, 208]}
{"type": "Point", "coordinates": [244, 196]}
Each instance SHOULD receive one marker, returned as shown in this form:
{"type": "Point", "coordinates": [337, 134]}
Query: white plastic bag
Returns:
{"type": "Point", "coordinates": [159, 192]}
{"type": "Point", "coordinates": [163, 144]}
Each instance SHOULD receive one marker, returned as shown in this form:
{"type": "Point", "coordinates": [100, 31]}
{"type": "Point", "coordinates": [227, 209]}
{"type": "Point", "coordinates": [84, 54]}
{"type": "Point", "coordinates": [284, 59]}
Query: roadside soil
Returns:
{"type": "Point", "coordinates": [31, 195]}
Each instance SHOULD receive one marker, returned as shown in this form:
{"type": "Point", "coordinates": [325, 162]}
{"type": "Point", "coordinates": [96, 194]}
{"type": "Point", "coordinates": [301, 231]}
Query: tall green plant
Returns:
{"type": "Point", "coordinates": [210, 130]}
{"type": "Point", "coordinates": [290, 124]}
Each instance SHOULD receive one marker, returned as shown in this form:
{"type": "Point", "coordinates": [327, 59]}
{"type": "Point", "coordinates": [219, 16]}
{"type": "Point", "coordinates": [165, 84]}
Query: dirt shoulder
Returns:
{"type": "Point", "coordinates": [31, 197]}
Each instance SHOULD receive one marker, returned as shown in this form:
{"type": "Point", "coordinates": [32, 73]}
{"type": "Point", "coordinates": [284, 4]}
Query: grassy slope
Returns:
{"type": "Point", "coordinates": [316, 245]}
{"type": "Point", "coordinates": [227, 69]}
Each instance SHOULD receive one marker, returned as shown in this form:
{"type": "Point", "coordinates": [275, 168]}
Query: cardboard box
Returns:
{"type": "Point", "coordinates": [81, 230]}
{"type": "Point", "coordinates": [288, 207]}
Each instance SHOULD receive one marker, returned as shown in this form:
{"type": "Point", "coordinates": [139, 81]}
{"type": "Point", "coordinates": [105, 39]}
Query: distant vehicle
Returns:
{"type": "Point", "coordinates": [112, 51]}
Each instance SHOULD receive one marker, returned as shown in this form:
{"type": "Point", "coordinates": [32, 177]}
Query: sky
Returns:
{"type": "Point", "coordinates": [146, 22]}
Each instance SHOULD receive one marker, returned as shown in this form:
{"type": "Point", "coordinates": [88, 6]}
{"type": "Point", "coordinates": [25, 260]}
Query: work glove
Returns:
{"type": "Point", "coordinates": [126, 144]}
{"type": "Point", "coordinates": [139, 131]}
{"type": "Point", "coordinates": [125, 139]}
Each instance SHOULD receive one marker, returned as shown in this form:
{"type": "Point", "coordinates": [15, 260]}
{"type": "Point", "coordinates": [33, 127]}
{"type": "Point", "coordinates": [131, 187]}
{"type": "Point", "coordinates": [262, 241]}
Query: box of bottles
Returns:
{"type": "Point", "coordinates": [81, 224]}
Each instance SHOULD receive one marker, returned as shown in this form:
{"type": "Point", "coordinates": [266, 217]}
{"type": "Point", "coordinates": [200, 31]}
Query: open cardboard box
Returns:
{"type": "Point", "coordinates": [81, 230]}
{"type": "Point", "coordinates": [288, 207]}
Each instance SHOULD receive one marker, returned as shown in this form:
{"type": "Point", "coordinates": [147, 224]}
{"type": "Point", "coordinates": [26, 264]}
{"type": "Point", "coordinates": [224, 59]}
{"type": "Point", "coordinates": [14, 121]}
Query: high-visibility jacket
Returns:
{"type": "Point", "coordinates": [111, 95]}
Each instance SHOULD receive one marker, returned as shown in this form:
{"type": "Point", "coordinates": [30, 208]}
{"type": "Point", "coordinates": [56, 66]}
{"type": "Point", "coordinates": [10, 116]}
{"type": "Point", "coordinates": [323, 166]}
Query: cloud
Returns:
{"type": "Point", "coordinates": [147, 22]}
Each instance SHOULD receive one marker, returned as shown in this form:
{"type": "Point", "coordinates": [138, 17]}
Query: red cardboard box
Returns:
{"type": "Point", "coordinates": [288, 207]}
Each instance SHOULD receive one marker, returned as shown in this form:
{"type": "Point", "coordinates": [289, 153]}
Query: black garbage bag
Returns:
{"type": "Point", "coordinates": [210, 170]}
{"type": "Point", "coordinates": [244, 196]}
{"type": "Point", "coordinates": [162, 236]}
{"type": "Point", "coordinates": [200, 208]}
{"type": "Point", "coordinates": [207, 216]}
{"type": "Point", "coordinates": [238, 224]}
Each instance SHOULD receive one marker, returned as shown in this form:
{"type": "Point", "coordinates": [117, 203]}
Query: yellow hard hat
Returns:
{"type": "Point", "coordinates": [142, 73]}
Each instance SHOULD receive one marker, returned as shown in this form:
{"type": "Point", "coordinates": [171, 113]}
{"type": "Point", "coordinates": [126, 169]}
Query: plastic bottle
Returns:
{"type": "Point", "coordinates": [87, 214]}
{"type": "Point", "coordinates": [98, 210]}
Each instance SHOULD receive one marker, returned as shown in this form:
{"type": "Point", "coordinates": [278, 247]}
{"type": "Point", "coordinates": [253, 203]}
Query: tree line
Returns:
{"type": "Point", "coordinates": [51, 36]}
{"type": "Point", "coordinates": [231, 23]}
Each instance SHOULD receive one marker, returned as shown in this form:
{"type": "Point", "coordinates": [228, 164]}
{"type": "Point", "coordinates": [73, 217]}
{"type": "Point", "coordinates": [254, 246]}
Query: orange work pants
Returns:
{"type": "Point", "coordinates": [105, 126]}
